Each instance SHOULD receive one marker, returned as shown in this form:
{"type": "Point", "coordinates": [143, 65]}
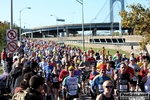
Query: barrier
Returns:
{"type": "Point", "coordinates": [108, 40]}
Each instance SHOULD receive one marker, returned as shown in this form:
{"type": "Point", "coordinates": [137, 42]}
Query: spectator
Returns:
{"type": "Point", "coordinates": [3, 59]}
{"type": "Point", "coordinates": [36, 84]}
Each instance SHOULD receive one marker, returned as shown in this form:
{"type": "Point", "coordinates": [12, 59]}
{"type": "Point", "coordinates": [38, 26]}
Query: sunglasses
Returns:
{"type": "Point", "coordinates": [109, 86]}
{"type": "Point", "coordinates": [71, 70]}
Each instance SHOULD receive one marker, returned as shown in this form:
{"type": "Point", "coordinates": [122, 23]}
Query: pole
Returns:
{"type": "Point", "coordinates": [91, 29]}
{"type": "Point", "coordinates": [91, 32]}
{"type": "Point", "coordinates": [120, 28]}
{"type": "Point", "coordinates": [73, 17]}
{"type": "Point", "coordinates": [57, 26]}
{"type": "Point", "coordinates": [20, 20]}
{"type": "Point", "coordinates": [83, 27]}
{"type": "Point", "coordinates": [11, 23]}
{"type": "Point", "coordinates": [20, 26]}
{"type": "Point", "coordinates": [81, 2]}
{"type": "Point", "coordinates": [57, 29]}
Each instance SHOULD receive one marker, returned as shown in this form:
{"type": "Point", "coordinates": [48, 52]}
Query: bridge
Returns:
{"type": "Point", "coordinates": [74, 28]}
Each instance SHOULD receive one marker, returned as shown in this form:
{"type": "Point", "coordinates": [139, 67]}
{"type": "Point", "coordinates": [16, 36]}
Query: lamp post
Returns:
{"type": "Point", "coordinates": [73, 17]}
{"type": "Point", "coordinates": [81, 2]}
{"type": "Point", "coordinates": [29, 30]}
{"type": "Point", "coordinates": [57, 26]}
{"type": "Point", "coordinates": [91, 29]}
{"type": "Point", "coordinates": [20, 20]}
{"type": "Point", "coordinates": [15, 22]}
{"type": "Point", "coordinates": [11, 19]}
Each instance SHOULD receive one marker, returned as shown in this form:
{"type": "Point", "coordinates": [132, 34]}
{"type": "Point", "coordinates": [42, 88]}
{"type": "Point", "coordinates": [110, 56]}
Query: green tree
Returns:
{"type": "Point", "coordinates": [3, 27]}
{"type": "Point", "coordinates": [139, 20]}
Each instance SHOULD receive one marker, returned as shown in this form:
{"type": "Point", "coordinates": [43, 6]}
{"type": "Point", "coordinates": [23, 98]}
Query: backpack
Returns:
{"type": "Point", "coordinates": [22, 95]}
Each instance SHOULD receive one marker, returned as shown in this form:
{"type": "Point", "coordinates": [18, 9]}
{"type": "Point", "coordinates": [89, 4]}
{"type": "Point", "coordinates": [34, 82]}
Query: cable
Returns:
{"type": "Point", "coordinates": [118, 5]}
{"type": "Point", "coordinates": [100, 9]}
{"type": "Point", "coordinates": [108, 13]}
{"type": "Point", "coordinates": [127, 5]}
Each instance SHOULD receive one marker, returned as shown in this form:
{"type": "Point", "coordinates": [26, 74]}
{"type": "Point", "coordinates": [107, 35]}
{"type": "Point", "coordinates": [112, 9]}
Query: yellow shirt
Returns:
{"type": "Point", "coordinates": [139, 64]}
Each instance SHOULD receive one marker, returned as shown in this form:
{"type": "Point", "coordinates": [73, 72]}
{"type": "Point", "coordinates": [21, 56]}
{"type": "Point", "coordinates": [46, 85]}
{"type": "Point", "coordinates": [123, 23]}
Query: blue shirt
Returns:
{"type": "Point", "coordinates": [48, 70]}
{"type": "Point", "coordinates": [98, 82]}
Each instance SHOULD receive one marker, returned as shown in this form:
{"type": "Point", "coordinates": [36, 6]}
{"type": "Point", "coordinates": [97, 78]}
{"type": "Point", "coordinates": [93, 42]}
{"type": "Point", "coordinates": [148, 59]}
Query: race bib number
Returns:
{"type": "Point", "coordinates": [123, 87]}
{"type": "Point", "coordinates": [48, 71]}
{"type": "Point", "coordinates": [134, 78]}
{"type": "Point", "coordinates": [72, 87]}
{"type": "Point", "coordinates": [100, 87]}
{"type": "Point", "coordinates": [87, 68]}
{"type": "Point", "coordinates": [55, 79]}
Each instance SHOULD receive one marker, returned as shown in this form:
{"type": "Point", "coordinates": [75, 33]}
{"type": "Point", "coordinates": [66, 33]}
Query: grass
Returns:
{"type": "Point", "coordinates": [111, 51]}
{"type": "Point", "coordinates": [1, 70]}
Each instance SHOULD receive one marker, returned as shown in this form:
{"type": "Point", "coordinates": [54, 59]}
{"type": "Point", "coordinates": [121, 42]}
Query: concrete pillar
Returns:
{"type": "Point", "coordinates": [67, 33]}
{"type": "Point", "coordinates": [94, 32]}
{"type": "Point", "coordinates": [112, 11]}
{"type": "Point", "coordinates": [111, 8]}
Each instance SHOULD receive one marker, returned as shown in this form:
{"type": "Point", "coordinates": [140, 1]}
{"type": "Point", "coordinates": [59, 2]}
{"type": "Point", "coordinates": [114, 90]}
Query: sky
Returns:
{"type": "Point", "coordinates": [95, 11]}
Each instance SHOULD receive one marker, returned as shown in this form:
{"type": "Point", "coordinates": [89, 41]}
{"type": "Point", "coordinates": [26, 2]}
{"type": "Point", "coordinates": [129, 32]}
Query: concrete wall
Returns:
{"type": "Point", "coordinates": [115, 47]}
{"type": "Point", "coordinates": [129, 38]}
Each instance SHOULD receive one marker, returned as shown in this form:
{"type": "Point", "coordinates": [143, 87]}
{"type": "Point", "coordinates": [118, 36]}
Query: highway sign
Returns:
{"type": "Point", "coordinates": [11, 34]}
{"type": "Point", "coordinates": [12, 46]}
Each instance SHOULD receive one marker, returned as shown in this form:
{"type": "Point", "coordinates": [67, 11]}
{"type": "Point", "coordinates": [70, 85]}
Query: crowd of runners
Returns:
{"type": "Point", "coordinates": [42, 70]}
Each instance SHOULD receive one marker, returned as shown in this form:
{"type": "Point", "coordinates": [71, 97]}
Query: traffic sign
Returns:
{"type": "Point", "coordinates": [12, 46]}
{"type": "Point", "coordinates": [11, 34]}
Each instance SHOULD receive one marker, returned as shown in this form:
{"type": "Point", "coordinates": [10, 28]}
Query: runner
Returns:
{"type": "Point", "coordinates": [106, 95]}
{"type": "Point", "coordinates": [55, 82]}
{"type": "Point", "coordinates": [122, 80]}
{"type": "Point", "coordinates": [85, 67]}
{"type": "Point", "coordinates": [92, 75]}
{"type": "Point", "coordinates": [99, 79]}
{"type": "Point", "coordinates": [71, 85]}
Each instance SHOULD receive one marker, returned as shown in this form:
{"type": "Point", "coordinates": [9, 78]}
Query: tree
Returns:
{"type": "Point", "coordinates": [3, 27]}
{"type": "Point", "coordinates": [139, 20]}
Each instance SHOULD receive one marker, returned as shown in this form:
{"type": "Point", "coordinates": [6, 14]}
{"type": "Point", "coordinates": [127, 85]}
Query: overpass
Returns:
{"type": "Point", "coordinates": [72, 28]}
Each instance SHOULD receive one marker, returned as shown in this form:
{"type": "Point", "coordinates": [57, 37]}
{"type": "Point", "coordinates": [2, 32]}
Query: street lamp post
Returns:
{"type": "Point", "coordinates": [81, 2]}
{"type": "Point", "coordinates": [57, 26]}
{"type": "Point", "coordinates": [11, 22]}
{"type": "Point", "coordinates": [31, 34]}
{"type": "Point", "coordinates": [20, 20]}
{"type": "Point", "coordinates": [73, 17]}
{"type": "Point", "coordinates": [91, 29]}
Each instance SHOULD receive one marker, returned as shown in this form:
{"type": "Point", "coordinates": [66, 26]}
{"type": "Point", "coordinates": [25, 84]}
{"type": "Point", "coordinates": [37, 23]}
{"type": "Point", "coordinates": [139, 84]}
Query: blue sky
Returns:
{"type": "Point", "coordinates": [70, 10]}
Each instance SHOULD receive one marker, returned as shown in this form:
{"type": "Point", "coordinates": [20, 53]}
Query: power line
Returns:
{"type": "Point", "coordinates": [101, 9]}
{"type": "Point", "coordinates": [118, 5]}
{"type": "Point", "coordinates": [109, 13]}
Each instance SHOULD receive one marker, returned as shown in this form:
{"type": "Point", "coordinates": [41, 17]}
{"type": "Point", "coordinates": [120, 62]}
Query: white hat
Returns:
{"type": "Point", "coordinates": [140, 52]}
{"type": "Point", "coordinates": [124, 54]}
{"type": "Point", "coordinates": [131, 53]}
{"type": "Point", "coordinates": [131, 58]}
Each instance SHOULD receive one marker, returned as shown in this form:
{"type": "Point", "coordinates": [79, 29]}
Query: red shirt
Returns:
{"type": "Point", "coordinates": [62, 75]}
{"type": "Point", "coordinates": [91, 59]}
{"type": "Point", "coordinates": [92, 75]}
{"type": "Point", "coordinates": [130, 70]}
{"type": "Point", "coordinates": [3, 55]}
{"type": "Point", "coordinates": [143, 72]}
{"type": "Point", "coordinates": [92, 51]}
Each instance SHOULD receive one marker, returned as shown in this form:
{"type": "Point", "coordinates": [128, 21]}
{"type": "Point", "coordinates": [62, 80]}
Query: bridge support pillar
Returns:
{"type": "Point", "coordinates": [67, 33]}
{"type": "Point", "coordinates": [94, 32]}
{"type": "Point", "coordinates": [112, 12]}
